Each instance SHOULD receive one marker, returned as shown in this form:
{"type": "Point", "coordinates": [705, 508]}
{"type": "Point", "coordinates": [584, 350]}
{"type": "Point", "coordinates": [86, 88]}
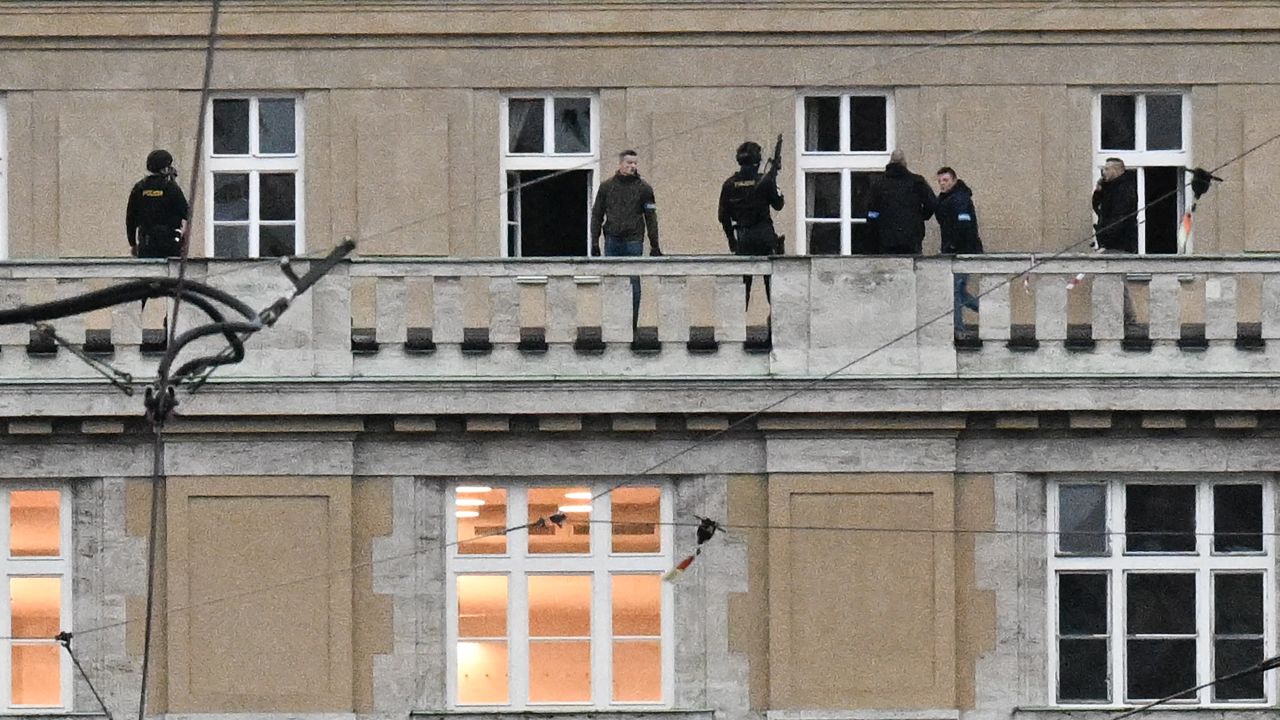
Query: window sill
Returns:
{"type": "Point", "coordinates": [52, 715]}
{"type": "Point", "coordinates": [1173, 713]}
{"type": "Point", "coordinates": [940, 714]}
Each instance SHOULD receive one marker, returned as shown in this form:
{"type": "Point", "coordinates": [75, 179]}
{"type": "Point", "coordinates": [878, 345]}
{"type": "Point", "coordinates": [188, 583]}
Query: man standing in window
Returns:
{"type": "Point", "coordinates": [624, 210]}
{"type": "Point", "coordinates": [958, 221]}
{"type": "Point", "coordinates": [745, 199]}
{"type": "Point", "coordinates": [1115, 200]}
{"type": "Point", "coordinates": [157, 210]}
{"type": "Point", "coordinates": [897, 208]}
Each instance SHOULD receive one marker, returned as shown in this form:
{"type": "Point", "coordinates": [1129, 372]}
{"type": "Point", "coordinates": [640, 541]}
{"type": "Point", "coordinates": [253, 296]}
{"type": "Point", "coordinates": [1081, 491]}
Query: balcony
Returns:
{"type": "Point", "coordinates": [448, 319]}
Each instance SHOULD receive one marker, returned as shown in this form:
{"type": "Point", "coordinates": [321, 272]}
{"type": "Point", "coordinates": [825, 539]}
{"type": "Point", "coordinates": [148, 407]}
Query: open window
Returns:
{"type": "Point", "coordinates": [550, 159]}
{"type": "Point", "coordinates": [844, 143]}
{"type": "Point", "coordinates": [1151, 133]}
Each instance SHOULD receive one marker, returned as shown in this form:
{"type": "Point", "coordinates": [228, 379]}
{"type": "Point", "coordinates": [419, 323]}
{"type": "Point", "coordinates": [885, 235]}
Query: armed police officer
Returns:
{"type": "Point", "coordinates": [157, 210]}
{"type": "Point", "coordinates": [745, 199]}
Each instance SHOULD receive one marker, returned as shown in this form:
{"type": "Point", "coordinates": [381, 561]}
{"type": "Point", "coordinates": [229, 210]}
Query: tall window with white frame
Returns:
{"type": "Point", "coordinates": [843, 145]}
{"type": "Point", "coordinates": [254, 182]}
{"type": "Point", "coordinates": [569, 614]}
{"type": "Point", "coordinates": [1158, 586]}
{"type": "Point", "coordinates": [1151, 133]}
{"type": "Point", "coordinates": [550, 159]}
{"type": "Point", "coordinates": [35, 524]}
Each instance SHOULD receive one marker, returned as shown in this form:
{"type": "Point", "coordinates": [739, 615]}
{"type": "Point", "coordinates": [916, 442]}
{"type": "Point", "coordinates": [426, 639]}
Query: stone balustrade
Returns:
{"type": "Point", "coordinates": [856, 316]}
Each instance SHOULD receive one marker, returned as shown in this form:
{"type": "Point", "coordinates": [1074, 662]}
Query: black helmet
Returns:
{"type": "Point", "coordinates": [158, 160]}
{"type": "Point", "coordinates": [749, 153]}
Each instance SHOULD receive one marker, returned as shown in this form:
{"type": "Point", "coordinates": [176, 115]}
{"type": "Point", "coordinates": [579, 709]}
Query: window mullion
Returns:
{"type": "Point", "coordinates": [518, 602]}
{"type": "Point", "coordinates": [253, 127]}
{"type": "Point", "coordinates": [601, 599]}
{"type": "Point", "coordinates": [6, 615]}
{"type": "Point", "coordinates": [1204, 632]}
{"type": "Point", "coordinates": [846, 128]}
{"type": "Point", "coordinates": [1140, 122]}
{"type": "Point", "coordinates": [255, 197]}
{"type": "Point", "coordinates": [846, 207]}
{"type": "Point", "coordinates": [548, 126]}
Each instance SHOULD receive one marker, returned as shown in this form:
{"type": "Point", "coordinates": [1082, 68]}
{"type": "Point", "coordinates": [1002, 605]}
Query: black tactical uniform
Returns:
{"type": "Point", "coordinates": [157, 208]}
{"type": "Point", "coordinates": [745, 199]}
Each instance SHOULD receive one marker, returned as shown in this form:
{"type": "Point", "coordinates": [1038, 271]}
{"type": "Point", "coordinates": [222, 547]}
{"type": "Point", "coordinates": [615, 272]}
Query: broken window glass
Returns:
{"type": "Point", "coordinates": [525, 131]}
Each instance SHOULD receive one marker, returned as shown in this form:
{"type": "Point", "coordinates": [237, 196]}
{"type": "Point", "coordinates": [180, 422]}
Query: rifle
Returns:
{"type": "Point", "coordinates": [774, 164]}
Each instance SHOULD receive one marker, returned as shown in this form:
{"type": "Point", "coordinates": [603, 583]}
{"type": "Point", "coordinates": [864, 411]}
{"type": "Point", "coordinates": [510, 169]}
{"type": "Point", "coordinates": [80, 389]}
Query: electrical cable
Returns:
{"type": "Point", "coordinates": [122, 380]}
{"type": "Point", "coordinates": [64, 639]}
{"type": "Point", "coordinates": [1271, 663]}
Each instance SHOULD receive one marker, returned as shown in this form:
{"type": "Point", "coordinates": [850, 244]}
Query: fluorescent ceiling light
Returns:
{"type": "Point", "coordinates": [575, 508]}
{"type": "Point", "coordinates": [468, 502]}
{"type": "Point", "coordinates": [578, 495]}
{"type": "Point", "coordinates": [467, 514]}
{"type": "Point", "coordinates": [473, 489]}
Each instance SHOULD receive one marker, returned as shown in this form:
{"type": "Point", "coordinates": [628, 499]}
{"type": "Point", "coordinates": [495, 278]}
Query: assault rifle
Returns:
{"type": "Point", "coordinates": [774, 164]}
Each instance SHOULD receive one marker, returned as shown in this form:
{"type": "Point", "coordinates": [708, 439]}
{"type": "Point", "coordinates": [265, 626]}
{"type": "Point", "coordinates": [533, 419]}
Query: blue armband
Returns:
{"type": "Point", "coordinates": [964, 217]}
{"type": "Point", "coordinates": [873, 214]}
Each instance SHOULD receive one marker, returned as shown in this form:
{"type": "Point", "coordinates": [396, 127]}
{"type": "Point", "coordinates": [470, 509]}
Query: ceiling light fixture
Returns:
{"type": "Point", "coordinates": [468, 502]}
{"type": "Point", "coordinates": [473, 489]}
{"type": "Point", "coordinates": [575, 508]}
{"type": "Point", "coordinates": [578, 495]}
{"type": "Point", "coordinates": [467, 514]}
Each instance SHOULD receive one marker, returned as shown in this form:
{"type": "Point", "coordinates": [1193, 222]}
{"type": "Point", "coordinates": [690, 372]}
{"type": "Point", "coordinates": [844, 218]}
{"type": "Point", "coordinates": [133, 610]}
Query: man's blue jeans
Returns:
{"type": "Point", "coordinates": [615, 246]}
{"type": "Point", "coordinates": [961, 299]}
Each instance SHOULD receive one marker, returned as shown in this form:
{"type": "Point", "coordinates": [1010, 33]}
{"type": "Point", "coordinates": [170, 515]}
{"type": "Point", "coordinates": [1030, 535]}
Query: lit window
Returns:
{"type": "Point", "coordinates": [845, 141]}
{"type": "Point", "coordinates": [550, 155]}
{"type": "Point", "coordinates": [568, 614]}
{"type": "Point", "coordinates": [37, 578]}
{"type": "Point", "coordinates": [1150, 132]}
{"type": "Point", "coordinates": [1158, 587]}
{"type": "Point", "coordinates": [254, 190]}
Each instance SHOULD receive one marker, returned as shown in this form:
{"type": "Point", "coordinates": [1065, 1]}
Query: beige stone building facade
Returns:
{"type": "Point", "coordinates": [1069, 515]}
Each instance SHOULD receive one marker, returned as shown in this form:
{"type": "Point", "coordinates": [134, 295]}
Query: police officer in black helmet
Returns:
{"type": "Point", "coordinates": [745, 199]}
{"type": "Point", "coordinates": [157, 210]}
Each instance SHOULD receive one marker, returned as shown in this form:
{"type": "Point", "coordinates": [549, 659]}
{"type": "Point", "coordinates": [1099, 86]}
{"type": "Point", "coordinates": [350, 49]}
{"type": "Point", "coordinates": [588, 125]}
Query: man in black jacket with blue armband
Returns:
{"type": "Point", "coordinates": [958, 220]}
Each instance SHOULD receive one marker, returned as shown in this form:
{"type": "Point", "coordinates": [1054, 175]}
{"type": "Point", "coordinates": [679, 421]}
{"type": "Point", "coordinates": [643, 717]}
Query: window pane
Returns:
{"type": "Point", "coordinates": [822, 195]}
{"type": "Point", "coordinates": [481, 513]}
{"type": "Point", "coordinates": [637, 605]}
{"type": "Point", "coordinates": [482, 606]}
{"type": "Point", "coordinates": [276, 196]}
{"type": "Point", "coordinates": [1082, 670]}
{"type": "Point", "coordinates": [230, 196]}
{"type": "Point", "coordinates": [1160, 518]}
{"type": "Point", "coordinates": [276, 127]}
{"type": "Point", "coordinates": [37, 675]}
{"type": "Point", "coordinates": [635, 520]}
{"type": "Point", "coordinates": [231, 127]}
{"type": "Point", "coordinates": [573, 125]}
{"type": "Point", "coordinates": [860, 184]}
{"type": "Point", "coordinates": [560, 606]}
{"type": "Point", "coordinates": [1232, 656]}
{"type": "Point", "coordinates": [35, 523]}
{"type": "Point", "coordinates": [822, 124]}
{"type": "Point", "coordinates": [1158, 668]}
{"type": "Point", "coordinates": [868, 124]}
{"type": "Point", "coordinates": [1082, 519]}
{"type": "Point", "coordinates": [1082, 604]}
{"type": "Point", "coordinates": [482, 672]}
{"type": "Point", "coordinates": [560, 671]}
{"type": "Point", "coordinates": [35, 607]}
{"type": "Point", "coordinates": [1164, 122]}
{"type": "Point", "coordinates": [1237, 518]}
{"type": "Point", "coordinates": [637, 671]}
{"type": "Point", "coordinates": [276, 240]}
{"type": "Point", "coordinates": [824, 238]}
{"type": "Point", "coordinates": [1161, 603]}
{"type": "Point", "coordinates": [524, 126]}
{"type": "Point", "coordinates": [1118, 119]}
{"type": "Point", "coordinates": [575, 535]}
{"type": "Point", "coordinates": [231, 241]}
{"type": "Point", "coordinates": [1237, 602]}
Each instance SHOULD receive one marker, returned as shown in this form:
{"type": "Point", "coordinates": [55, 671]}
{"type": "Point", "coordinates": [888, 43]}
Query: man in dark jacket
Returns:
{"type": "Point", "coordinates": [157, 210]}
{"type": "Point", "coordinates": [1115, 201]}
{"type": "Point", "coordinates": [897, 207]}
{"type": "Point", "coordinates": [958, 220]}
{"type": "Point", "coordinates": [745, 199]}
{"type": "Point", "coordinates": [623, 211]}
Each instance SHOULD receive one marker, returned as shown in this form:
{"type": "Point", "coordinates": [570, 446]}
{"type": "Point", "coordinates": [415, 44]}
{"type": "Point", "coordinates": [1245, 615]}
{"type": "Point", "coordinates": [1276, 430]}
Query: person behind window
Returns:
{"type": "Point", "coordinates": [897, 207]}
{"type": "Point", "coordinates": [745, 199]}
{"type": "Point", "coordinates": [958, 220]}
{"type": "Point", "coordinates": [157, 211]}
{"type": "Point", "coordinates": [624, 210]}
{"type": "Point", "coordinates": [1115, 201]}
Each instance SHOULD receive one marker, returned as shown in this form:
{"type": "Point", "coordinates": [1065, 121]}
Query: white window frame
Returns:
{"type": "Point", "coordinates": [4, 180]}
{"type": "Point", "coordinates": [254, 164]}
{"type": "Point", "coordinates": [59, 567]}
{"type": "Point", "coordinates": [843, 161]}
{"type": "Point", "coordinates": [548, 159]}
{"type": "Point", "coordinates": [1140, 157]}
{"type": "Point", "coordinates": [516, 564]}
{"type": "Point", "coordinates": [1204, 562]}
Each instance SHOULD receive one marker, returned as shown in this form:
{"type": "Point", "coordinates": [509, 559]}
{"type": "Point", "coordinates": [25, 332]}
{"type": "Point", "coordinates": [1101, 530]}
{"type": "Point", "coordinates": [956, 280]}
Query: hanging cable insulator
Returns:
{"type": "Point", "coordinates": [707, 529]}
{"type": "Point", "coordinates": [1201, 181]}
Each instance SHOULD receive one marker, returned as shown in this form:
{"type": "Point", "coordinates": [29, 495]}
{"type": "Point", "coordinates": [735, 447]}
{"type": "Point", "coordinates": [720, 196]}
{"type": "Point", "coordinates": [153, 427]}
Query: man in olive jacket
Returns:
{"type": "Point", "coordinates": [897, 207]}
{"type": "Point", "coordinates": [624, 211]}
